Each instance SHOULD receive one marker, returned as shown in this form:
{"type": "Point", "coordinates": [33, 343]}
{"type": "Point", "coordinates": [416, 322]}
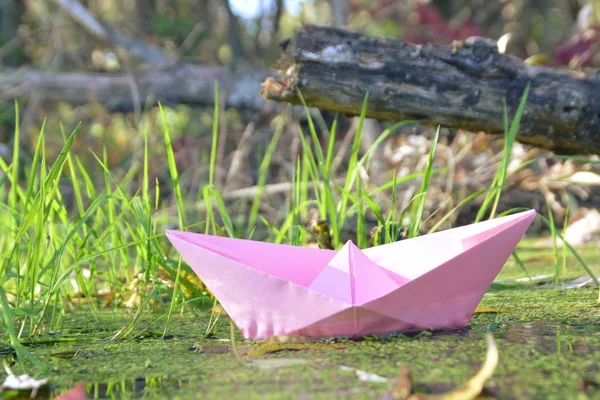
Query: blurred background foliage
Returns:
{"type": "Point", "coordinates": [233, 33]}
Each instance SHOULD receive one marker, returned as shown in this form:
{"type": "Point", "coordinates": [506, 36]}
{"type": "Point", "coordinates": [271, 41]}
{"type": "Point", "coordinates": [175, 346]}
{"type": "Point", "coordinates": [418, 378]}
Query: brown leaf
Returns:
{"type": "Point", "coordinates": [473, 387]}
{"type": "Point", "coordinates": [286, 342]}
{"type": "Point", "coordinates": [469, 391]}
{"type": "Point", "coordinates": [403, 387]}
{"type": "Point", "coordinates": [267, 348]}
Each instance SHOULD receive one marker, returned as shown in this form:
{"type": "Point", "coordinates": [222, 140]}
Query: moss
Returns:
{"type": "Point", "coordinates": [549, 343]}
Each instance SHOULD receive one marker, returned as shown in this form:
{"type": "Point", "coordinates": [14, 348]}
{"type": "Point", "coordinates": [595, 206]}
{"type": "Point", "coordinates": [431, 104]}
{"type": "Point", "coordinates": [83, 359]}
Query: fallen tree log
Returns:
{"type": "Point", "coordinates": [463, 86]}
{"type": "Point", "coordinates": [177, 83]}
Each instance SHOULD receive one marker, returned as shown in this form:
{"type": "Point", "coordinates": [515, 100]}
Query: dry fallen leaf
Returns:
{"type": "Point", "coordinates": [403, 387]}
{"type": "Point", "coordinates": [286, 342]}
{"type": "Point", "coordinates": [22, 383]}
{"type": "Point", "coordinates": [489, 310]}
{"type": "Point", "coordinates": [470, 390]}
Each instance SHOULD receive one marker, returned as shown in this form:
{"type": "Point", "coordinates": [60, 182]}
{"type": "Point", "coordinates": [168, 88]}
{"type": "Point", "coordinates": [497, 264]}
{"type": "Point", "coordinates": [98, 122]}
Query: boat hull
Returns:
{"type": "Point", "coordinates": [430, 282]}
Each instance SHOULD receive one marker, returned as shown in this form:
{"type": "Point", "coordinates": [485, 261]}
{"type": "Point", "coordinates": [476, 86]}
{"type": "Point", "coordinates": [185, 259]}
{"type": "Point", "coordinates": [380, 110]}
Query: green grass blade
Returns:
{"type": "Point", "coordinates": [173, 169]}
{"type": "Point", "coordinates": [215, 137]}
{"type": "Point", "coordinates": [22, 353]}
{"type": "Point", "coordinates": [574, 252]}
{"type": "Point", "coordinates": [331, 146]}
{"type": "Point", "coordinates": [352, 171]}
{"type": "Point", "coordinates": [263, 173]}
{"type": "Point", "coordinates": [420, 205]}
{"type": "Point", "coordinates": [510, 135]}
{"type": "Point", "coordinates": [74, 178]}
{"type": "Point", "coordinates": [554, 244]}
{"type": "Point", "coordinates": [223, 213]}
{"type": "Point", "coordinates": [15, 161]}
{"type": "Point", "coordinates": [35, 164]}
{"type": "Point", "coordinates": [464, 201]}
{"type": "Point", "coordinates": [374, 207]}
{"type": "Point", "coordinates": [564, 248]}
{"type": "Point", "coordinates": [404, 179]}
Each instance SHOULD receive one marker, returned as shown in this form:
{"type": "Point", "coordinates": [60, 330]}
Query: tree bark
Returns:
{"type": "Point", "coordinates": [182, 83]}
{"type": "Point", "coordinates": [463, 86]}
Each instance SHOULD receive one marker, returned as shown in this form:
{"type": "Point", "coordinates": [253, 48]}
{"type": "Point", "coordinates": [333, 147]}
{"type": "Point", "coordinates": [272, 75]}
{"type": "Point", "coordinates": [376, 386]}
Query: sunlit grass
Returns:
{"type": "Point", "coordinates": [107, 242]}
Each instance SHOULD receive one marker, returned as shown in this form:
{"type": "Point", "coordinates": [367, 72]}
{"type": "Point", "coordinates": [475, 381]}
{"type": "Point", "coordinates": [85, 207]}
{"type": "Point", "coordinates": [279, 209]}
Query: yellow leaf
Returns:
{"type": "Point", "coordinates": [267, 348]}
{"type": "Point", "coordinates": [537, 60]}
{"type": "Point", "coordinates": [489, 310]}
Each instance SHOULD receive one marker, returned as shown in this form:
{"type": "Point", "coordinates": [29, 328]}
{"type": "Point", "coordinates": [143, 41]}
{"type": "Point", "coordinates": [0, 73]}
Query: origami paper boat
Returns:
{"type": "Point", "coordinates": [430, 282]}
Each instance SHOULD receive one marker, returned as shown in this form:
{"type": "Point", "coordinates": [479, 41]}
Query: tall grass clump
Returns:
{"type": "Point", "coordinates": [338, 200]}
{"type": "Point", "coordinates": [57, 255]}
{"type": "Point", "coordinates": [492, 198]}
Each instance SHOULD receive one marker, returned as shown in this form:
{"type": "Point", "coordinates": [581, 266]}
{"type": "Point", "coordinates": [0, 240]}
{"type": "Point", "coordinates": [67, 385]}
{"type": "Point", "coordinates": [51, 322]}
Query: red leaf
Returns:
{"type": "Point", "coordinates": [432, 27]}
{"type": "Point", "coordinates": [76, 393]}
{"type": "Point", "coordinates": [581, 46]}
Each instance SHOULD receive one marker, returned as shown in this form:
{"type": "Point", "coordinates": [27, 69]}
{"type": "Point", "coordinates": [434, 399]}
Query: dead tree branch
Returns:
{"type": "Point", "coordinates": [464, 86]}
{"type": "Point", "coordinates": [179, 84]}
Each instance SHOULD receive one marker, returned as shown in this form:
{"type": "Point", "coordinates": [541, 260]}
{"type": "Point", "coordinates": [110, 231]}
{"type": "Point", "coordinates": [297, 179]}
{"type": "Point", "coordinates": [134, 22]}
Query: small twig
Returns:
{"type": "Point", "coordinates": [191, 38]}
{"type": "Point", "coordinates": [238, 156]}
{"type": "Point", "coordinates": [135, 97]}
{"type": "Point", "coordinates": [140, 50]}
{"type": "Point", "coordinates": [83, 18]}
{"type": "Point", "coordinates": [268, 190]}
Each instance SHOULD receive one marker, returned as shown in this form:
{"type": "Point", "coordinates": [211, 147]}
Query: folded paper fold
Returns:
{"type": "Point", "coordinates": [430, 282]}
{"type": "Point", "coordinates": [358, 280]}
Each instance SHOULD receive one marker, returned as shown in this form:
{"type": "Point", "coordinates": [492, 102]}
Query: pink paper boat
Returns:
{"type": "Point", "coordinates": [429, 282]}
